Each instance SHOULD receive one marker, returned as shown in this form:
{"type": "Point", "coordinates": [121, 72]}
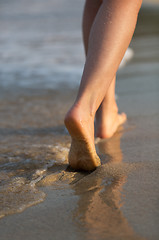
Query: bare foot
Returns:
{"type": "Point", "coordinates": [108, 120]}
{"type": "Point", "coordinates": [82, 155]}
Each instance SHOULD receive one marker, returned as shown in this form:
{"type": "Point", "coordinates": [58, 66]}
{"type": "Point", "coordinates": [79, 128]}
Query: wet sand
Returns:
{"type": "Point", "coordinates": [40, 197]}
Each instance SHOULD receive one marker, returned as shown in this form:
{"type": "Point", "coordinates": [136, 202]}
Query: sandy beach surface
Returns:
{"type": "Point", "coordinates": [40, 68]}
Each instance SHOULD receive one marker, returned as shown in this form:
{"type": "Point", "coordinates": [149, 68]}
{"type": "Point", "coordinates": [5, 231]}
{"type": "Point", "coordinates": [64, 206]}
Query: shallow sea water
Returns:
{"type": "Point", "coordinates": [40, 67]}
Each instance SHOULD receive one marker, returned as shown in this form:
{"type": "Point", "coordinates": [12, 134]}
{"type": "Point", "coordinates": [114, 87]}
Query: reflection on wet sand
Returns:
{"type": "Point", "coordinates": [109, 150]}
{"type": "Point", "coordinates": [100, 197]}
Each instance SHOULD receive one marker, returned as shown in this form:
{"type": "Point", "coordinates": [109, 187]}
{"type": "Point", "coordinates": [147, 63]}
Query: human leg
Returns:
{"type": "Point", "coordinates": [109, 38]}
{"type": "Point", "coordinates": [107, 117]}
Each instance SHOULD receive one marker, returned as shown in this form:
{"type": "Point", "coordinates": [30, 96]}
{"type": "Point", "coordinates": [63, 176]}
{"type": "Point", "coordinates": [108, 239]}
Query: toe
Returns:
{"type": "Point", "coordinates": [122, 118]}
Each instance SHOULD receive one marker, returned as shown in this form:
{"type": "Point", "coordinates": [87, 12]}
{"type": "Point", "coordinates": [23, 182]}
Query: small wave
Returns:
{"type": "Point", "coordinates": [20, 178]}
{"type": "Point", "coordinates": [16, 195]}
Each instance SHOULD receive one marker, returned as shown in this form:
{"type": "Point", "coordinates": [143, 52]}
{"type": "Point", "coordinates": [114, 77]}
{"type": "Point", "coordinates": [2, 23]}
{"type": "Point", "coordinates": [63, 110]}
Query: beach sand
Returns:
{"type": "Point", "coordinates": [41, 65]}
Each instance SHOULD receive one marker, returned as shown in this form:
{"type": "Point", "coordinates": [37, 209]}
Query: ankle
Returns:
{"type": "Point", "coordinates": [77, 117]}
{"type": "Point", "coordinates": [71, 117]}
{"type": "Point", "coordinates": [106, 110]}
{"type": "Point", "coordinates": [80, 113]}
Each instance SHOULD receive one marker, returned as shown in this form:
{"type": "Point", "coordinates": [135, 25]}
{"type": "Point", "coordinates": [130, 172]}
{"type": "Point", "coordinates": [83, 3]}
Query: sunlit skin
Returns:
{"type": "Point", "coordinates": [107, 117]}
{"type": "Point", "coordinates": [106, 38]}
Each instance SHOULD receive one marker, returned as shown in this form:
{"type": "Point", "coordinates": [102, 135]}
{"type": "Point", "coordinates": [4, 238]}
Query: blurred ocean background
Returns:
{"type": "Point", "coordinates": [40, 43]}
